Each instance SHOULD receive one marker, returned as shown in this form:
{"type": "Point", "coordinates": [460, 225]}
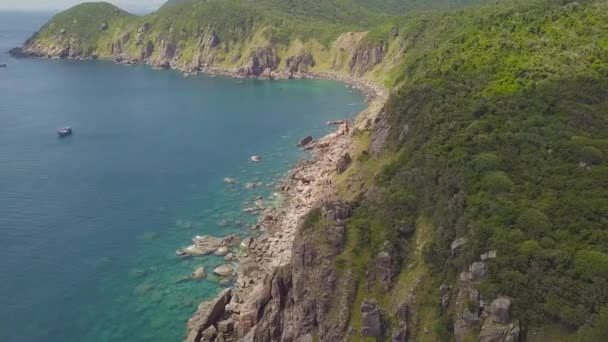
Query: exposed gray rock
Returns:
{"type": "Point", "coordinates": [305, 141]}
{"type": "Point", "coordinates": [366, 57]}
{"type": "Point", "coordinates": [300, 63]}
{"type": "Point", "coordinates": [209, 334]}
{"type": "Point", "coordinates": [224, 270]}
{"type": "Point", "coordinates": [477, 271]}
{"type": "Point", "coordinates": [226, 326]}
{"type": "Point", "coordinates": [496, 332]}
{"type": "Point", "coordinates": [372, 321]}
{"type": "Point", "coordinates": [199, 273]}
{"type": "Point", "coordinates": [488, 255]}
{"type": "Point", "coordinates": [260, 60]}
{"type": "Point", "coordinates": [221, 251]}
{"type": "Point", "coordinates": [384, 269]}
{"type": "Point", "coordinates": [343, 163]}
{"type": "Point", "coordinates": [500, 309]}
{"type": "Point", "coordinates": [457, 245]}
{"type": "Point", "coordinates": [207, 314]}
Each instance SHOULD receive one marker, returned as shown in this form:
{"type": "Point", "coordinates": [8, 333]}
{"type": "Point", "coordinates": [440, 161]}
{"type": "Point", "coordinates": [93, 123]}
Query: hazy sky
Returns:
{"type": "Point", "coordinates": [133, 5]}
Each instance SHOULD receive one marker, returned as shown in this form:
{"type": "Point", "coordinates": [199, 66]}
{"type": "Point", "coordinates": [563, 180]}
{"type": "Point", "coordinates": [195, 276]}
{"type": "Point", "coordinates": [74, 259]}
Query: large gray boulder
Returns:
{"type": "Point", "coordinates": [343, 163]}
{"type": "Point", "coordinates": [477, 271]}
{"type": "Point", "coordinates": [500, 309]}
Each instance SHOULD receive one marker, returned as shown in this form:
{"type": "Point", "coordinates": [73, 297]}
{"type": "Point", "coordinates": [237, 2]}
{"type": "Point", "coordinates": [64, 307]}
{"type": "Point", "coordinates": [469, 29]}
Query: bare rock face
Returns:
{"type": "Point", "coordinates": [343, 163]}
{"type": "Point", "coordinates": [495, 332]}
{"type": "Point", "coordinates": [366, 57]}
{"type": "Point", "coordinates": [372, 320]}
{"type": "Point", "coordinates": [146, 51]}
{"type": "Point", "coordinates": [206, 315]}
{"type": "Point", "coordinates": [300, 63]}
{"type": "Point", "coordinates": [384, 269]}
{"type": "Point", "coordinates": [500, 309]}
{"type": "Point", "coordinates": [477, 271]}
{"type": "Point", "coordinates": [260, 60]}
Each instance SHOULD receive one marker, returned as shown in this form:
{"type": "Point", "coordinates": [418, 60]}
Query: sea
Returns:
{"type": "Point", "coordinates": [89, 223]}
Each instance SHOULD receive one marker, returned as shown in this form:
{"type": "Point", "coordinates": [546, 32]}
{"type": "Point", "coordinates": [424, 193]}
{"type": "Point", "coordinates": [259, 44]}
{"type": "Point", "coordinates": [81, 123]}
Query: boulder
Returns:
{"type": "Point", "coordinates": [221, 251]}
{"type": "Point", "coordinates": [457, 244]}
{"type": "Point", "coordinates": [300, 63]}
{"type": "Point", "coordinates": [372, 323]}
{"type": "Point", "coordinates": [207, 314]}
{"type": "Point", "coordinates": [343, 163]}
{"type": "Point", "coordinates": [226, 326]}
{"type": "Point", "coordinates": [488, 255]}
{"type": "Point", "coordinates": [224, 270]}
{"type": "Point", "coordinates": [209, 334]}
{"type": "Point", "coordinates": [500, 309]}
{"type": "Point", "coordinates": [477, 271]}
{"type": "Point", "coordinates": [199, 273]}
{"type": "Point", "coordinates": [305, 141]}
{"type": "Point", "coordinates": [496, 332]}
{"type": "Point", "coordinates": [246, 242]}
{"type": "Point", "coordinates": [104, 26]}
{"type": "Point", "coordinates": [384, 269]}
{"type": "Point", "coordinates": [206, 244]}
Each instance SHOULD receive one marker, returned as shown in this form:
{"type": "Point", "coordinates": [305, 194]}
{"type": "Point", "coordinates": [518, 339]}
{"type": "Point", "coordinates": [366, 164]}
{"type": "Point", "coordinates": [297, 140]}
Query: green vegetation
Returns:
{"type": "Point", "coordinates": [507, 130]}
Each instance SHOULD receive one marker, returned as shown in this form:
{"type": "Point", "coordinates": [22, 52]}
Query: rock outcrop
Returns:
{"type": "Point", "coordinates": [203, 325]}
{"type": "Point", "coordinates": [372, 320]}
{"type": "Point", "coordinates": [206, 244]}
{"type": "Point", "coordinates": [366, 57]}
{"type": "Point", "coordinates": [300, 63]}
{"type": "Point", "coordinates": [262, 60]}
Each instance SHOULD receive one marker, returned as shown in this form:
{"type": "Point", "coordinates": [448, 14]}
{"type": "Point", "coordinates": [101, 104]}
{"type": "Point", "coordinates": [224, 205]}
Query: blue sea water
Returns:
{"type": "Point", "coordinates": [89, 224]}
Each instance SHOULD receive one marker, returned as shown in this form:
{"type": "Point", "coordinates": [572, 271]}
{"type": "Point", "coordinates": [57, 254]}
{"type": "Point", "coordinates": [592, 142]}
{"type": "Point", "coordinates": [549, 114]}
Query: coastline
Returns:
{"type": "Point", "coordinates": [306, 186]}
{"type": "Point", "coordinates": [371, 90]}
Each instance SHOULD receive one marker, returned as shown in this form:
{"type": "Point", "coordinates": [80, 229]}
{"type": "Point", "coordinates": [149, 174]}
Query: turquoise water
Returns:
{"type": "Point", "coordinates": [89, 224]}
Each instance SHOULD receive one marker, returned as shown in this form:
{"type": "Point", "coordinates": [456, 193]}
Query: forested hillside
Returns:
{"type": "Point", "coordinates": [479, 195]}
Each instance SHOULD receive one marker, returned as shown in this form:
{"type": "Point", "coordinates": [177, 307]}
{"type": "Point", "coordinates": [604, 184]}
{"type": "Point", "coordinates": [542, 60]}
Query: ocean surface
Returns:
{"type": "Point", "coordinates": [89, 224]}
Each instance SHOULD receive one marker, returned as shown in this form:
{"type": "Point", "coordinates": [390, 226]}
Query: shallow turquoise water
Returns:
{"type": "Point", "coordinates": [89, 224]}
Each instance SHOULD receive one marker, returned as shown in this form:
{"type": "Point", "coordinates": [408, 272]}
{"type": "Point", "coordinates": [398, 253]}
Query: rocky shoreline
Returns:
{"type": "Point", "coordinates": [232, 314]}
{"type": "Point", "coordinates": [370, 89]}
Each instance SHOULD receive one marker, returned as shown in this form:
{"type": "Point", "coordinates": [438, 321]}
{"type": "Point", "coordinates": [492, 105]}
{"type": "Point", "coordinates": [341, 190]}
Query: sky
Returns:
{"type": "Point", "coordinates": [45, 5]}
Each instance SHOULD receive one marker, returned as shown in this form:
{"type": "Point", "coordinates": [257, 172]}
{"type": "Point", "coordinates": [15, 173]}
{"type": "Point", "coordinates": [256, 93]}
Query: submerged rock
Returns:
{"type": "Point", "coordinates": [199, 273]}
{"type": "Point", "coordinates": [206, 244]}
